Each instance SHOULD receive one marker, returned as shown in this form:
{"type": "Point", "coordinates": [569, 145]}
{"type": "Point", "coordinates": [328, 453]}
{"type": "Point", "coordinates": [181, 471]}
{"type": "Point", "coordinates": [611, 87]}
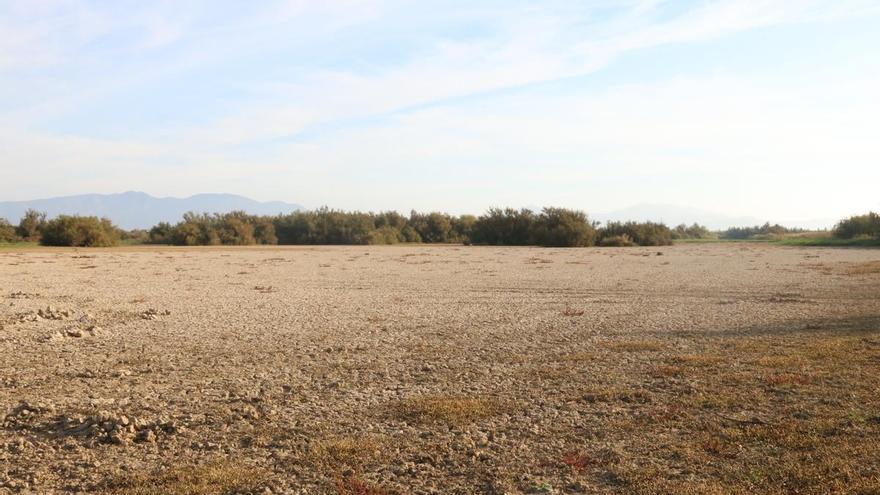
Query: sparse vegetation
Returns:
{"type": "Point", "coordinates": [218, 477]}
{"type": "Point", "coordinates": [450, 410]}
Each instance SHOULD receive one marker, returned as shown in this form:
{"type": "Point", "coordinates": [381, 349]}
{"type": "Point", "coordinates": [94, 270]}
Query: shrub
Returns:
{"type": "Point", "coordinates": [234, 229]}
{"type": "Point", "coordinates": [867, 225]}
{"type": "Point", "coordinates": [640, 233]}
{"type": "Point", "coordinates": [7, 231]}
{"type": "Point", "coordinates": [324, 226]}
{"type": "Point", "coordinates": [386, 235]}
{"type": "Point", "coordinates": [559, 227]}
{"type": "Point", "coordinates": [161, 233]}
{"type": "Point", "coordinates": [66, 230]}
{"type": "Point", "coordinates": [621, 240]}
{"type": "Point", "coordinates": [507, 227]}
{"type": "Point", "coordinates": [695, 231]}
{"type": "Point", "coordinates": [758, 231]}
{"type": "Point", "coordinates": [264, 231]}
{"type": "Point", "coordinates": [31, 224]}
{"type": "Point", "coordinates": [134, 236]}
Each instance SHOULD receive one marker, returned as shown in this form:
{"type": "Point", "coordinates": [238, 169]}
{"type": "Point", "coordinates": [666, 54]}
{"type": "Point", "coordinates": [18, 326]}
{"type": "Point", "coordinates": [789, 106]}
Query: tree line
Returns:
{"type": "Point", "coordinates": [550, 227]}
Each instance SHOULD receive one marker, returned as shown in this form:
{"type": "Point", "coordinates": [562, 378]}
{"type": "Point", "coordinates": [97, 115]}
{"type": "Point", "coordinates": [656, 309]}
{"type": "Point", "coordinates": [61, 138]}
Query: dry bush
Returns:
{"type": "Point", "coordinates": [454, 410]}
{"type": "Point", "coordinates": [220, 477]}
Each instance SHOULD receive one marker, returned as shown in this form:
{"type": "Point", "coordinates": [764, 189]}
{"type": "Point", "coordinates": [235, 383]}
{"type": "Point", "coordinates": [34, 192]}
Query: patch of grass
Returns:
{"type": "Point", "coordinates": [614, 394]}
{"type": "Point", "coordinates": [220, 477]}
{"type": "Point", "coordinates": [786, 379]}
{"type": "Point", "coordinates": [828, 242]}
{"type": "Point", "coordinates": [635, 346]}
{"type": "Point", "coordinates": [697, 360]}
{"type": "Point", "coordinates": [355, 486]}
{"type": "Point", "coordinates": [438, 409]}
{"type": "Point", "coordinates": [18, 245]}
{"type": "Point", "coordinates": [356, 452]}
{"type": "Point", "coordinates": [867, 268]}
{"type": "Point", "coordinates": [781, 361]}
{"type": "Point", "coordinates": [569, 311]}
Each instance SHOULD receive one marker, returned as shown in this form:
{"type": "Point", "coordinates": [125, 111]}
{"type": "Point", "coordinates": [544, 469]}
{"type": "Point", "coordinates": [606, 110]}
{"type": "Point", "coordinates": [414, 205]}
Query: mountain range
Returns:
{"type": "Point", "coordinates": [138, 210]}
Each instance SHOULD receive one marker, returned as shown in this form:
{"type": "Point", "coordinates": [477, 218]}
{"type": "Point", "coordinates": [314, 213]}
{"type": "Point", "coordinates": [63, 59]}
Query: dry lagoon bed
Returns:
{"type": "Point", "coordinates": [701, 368]}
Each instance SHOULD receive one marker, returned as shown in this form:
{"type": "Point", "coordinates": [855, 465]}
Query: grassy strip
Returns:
{"type": "Point", "coordinates": [18, 245]}
{"type": "Point", "coordinates": [828, 241]}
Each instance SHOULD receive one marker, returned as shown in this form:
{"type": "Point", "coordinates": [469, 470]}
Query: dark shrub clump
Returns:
{"type": "Point", "coordinates": [867, 225]}
{"type": "Point", "coordinates": [67, 230]}
{"type": "Point", "coordinates": [640, 233]}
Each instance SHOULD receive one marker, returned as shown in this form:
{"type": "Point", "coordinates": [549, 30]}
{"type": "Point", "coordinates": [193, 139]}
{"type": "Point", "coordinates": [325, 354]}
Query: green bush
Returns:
{"type": "Point", "coordinates": [67, 230]}
{"type": "Point", "coordinates": [641, 233]}
{"type": "Point", "coordinates": [765, 231]}
{"type": "Point", "coordinates": [7, 231]}
{"type": "Point", "coordinates": [30, 225]}
{"type": "Point", "coordinates": [507, 227]}
{"type": "Point", "coordinates": [695, 231]}
{"type": "Point", "coordinates": [559, 227]}
{"type": "Point", "coordinates": [386, 235]}
{"type": "Point", "coordinates": [621, 240]}
{"type": "Point", "coordinates": [162, 233]}
{"type": "Point", "coordinates": [867, 225]}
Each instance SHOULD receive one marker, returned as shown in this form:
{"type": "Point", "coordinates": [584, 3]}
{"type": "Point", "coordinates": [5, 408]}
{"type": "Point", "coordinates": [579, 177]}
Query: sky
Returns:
{"type": "Point", "coordinates": [764, 108]}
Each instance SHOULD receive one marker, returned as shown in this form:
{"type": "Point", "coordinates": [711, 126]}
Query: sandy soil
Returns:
{"type": "Point", "coordinates": [704, 368]}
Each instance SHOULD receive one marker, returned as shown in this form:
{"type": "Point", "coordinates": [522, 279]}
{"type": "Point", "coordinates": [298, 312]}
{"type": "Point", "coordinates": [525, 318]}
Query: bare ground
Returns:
{"type": "Point", "coordinates": [713, 368]}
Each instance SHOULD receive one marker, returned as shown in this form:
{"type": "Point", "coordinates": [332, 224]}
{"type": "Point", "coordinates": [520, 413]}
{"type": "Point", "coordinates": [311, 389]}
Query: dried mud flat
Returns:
{"type": "Point", "coordinates": [703, 368]}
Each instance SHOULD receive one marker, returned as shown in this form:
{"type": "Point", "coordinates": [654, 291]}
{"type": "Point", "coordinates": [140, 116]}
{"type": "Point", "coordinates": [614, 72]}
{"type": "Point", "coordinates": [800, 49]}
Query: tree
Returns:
{"type": "Point", "coordinates": [31, 224]}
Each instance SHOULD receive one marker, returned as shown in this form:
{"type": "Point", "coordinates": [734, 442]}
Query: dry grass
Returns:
{"type": "Point", "coordinates": [569, 311]}
{"type": "Point", "coordinates": [697, 360]}
{"type": "Point", "coordinates": [867, 268]}
{"type": "Point", "coordinates": [784, 361]}
{"type": "Point", "coordinates": [333, 454]}
{"type": "Point", "coordinates": [355, 486]}
{"type": "Point", "coordinates": [220, 477]}
{"type": "Point", "coordinates": [451, 410]}
{"type": "Point", "coordinates": [635, 346]}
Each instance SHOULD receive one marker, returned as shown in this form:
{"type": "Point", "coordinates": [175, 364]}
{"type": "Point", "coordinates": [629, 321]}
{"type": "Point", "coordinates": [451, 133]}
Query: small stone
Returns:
{"type": "Point", "coordinates": [74, 332]}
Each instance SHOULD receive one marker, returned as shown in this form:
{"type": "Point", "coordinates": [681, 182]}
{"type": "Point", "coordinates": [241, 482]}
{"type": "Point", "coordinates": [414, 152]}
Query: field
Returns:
{"type": "Point", "coordinates": [696, 368]}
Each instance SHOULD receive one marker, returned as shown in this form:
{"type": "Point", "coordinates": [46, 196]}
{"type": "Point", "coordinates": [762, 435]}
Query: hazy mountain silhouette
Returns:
{"type": "Point", "coordinates": [137, 210]}
{"type": "Point", "coordinates": [673, 215]}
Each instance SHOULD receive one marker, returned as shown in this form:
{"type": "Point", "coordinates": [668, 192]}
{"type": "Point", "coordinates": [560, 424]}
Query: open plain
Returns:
{"type": "Point", "coordinates": [698, 368]}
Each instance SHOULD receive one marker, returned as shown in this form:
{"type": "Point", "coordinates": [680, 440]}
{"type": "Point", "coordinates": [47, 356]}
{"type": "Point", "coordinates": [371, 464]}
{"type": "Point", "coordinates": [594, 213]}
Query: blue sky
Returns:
{"type": "Point", "coordinates": [760, 108]}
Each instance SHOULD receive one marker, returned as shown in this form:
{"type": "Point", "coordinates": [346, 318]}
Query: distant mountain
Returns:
{"type": "Point", "coordinates": [137, 210]}
{"type": "Point", "coordinates": [674, 215]}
